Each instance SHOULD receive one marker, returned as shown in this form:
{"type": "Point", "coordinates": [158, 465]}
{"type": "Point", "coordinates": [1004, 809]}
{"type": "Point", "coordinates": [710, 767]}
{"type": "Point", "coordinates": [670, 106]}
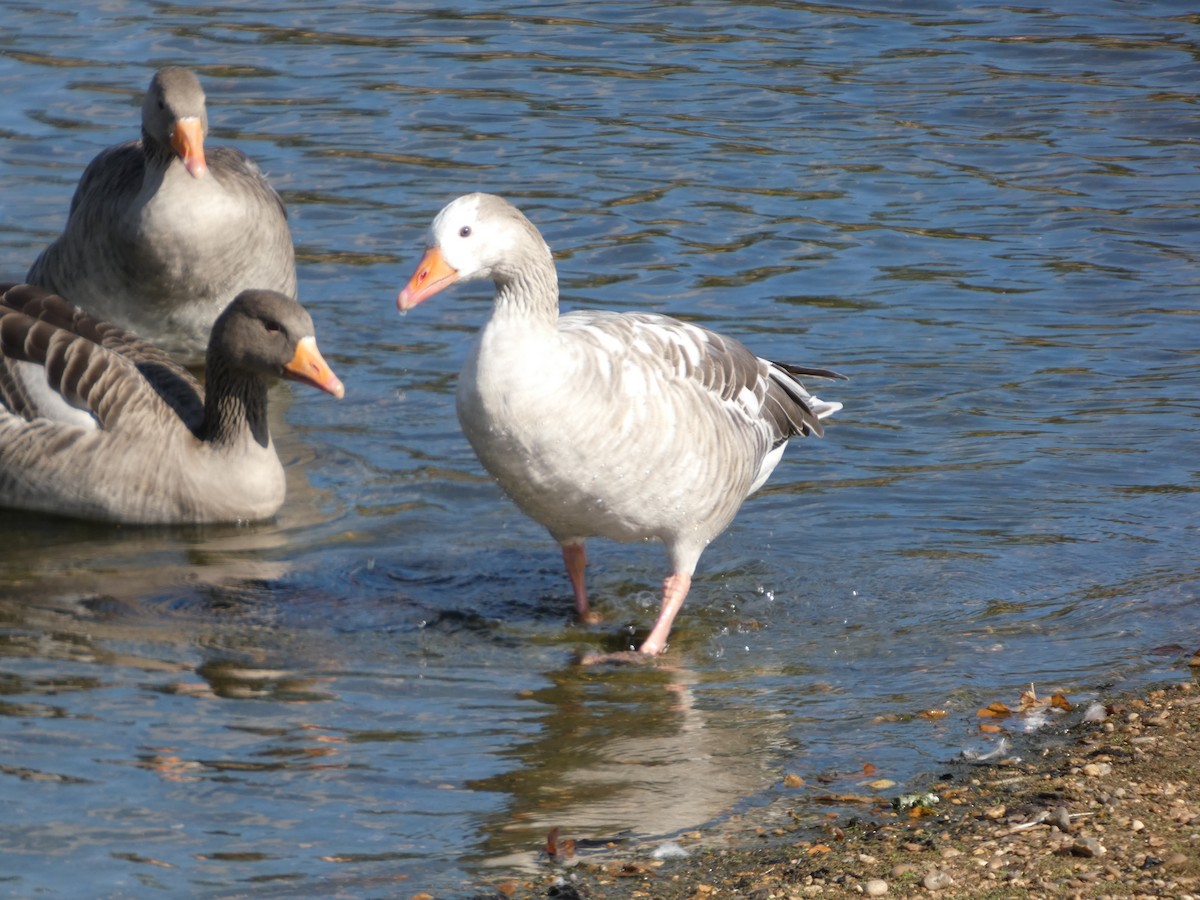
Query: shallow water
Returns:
{"type": "Point", "coordinates": [983, 214]}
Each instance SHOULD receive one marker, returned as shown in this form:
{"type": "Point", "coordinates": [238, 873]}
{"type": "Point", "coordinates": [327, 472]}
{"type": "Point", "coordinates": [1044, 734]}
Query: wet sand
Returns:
{"type": "Point", "coordinates": [1108, 808]}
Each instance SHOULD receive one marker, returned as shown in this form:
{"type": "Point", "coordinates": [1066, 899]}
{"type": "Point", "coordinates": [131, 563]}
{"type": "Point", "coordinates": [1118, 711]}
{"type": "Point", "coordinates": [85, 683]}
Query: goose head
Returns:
{"type": "Point", "coordinates": [174, 117]}
{"type": "Point", "coordinates": [477, 236]}
{"type": "Point", "coordinates": [268, 333]}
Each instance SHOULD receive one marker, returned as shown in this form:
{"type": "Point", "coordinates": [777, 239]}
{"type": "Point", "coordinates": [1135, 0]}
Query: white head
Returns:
{"type": "Point", "coordinates": [476, 236]}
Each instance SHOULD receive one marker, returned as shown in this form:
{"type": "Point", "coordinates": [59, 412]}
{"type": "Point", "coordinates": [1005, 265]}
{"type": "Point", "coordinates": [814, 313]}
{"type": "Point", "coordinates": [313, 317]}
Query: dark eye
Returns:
{"type": "Point", "coordinates": [272, 325]}
{"type": "Point", "coordinates": [465, 231]}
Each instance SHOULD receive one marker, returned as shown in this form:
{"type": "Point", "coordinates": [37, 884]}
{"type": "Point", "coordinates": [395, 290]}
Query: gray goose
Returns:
{"type": "Point", "coordinates": [628, 426]}
{"type": "Point", "coordinates": [163, 233]}
{"type": "Point", "coordinates": [95, 423]}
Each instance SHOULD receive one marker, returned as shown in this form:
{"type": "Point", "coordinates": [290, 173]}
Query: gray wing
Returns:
{"type": "Point", "coordinates": [113, 177]}
{"type": "Point", "coordinates": [43, 328]}
{"type": "Point", "coordinates": [769, 393]}
{"type": "Point", "coordinates": [116, 171]}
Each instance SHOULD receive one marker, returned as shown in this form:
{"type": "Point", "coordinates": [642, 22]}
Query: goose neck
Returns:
{"type": "Point", "coordinates": [235, 406]}
{"type": "Point", "coordinates": [530, 293]}
{"type": "Point", "coordinates": [158, 155]}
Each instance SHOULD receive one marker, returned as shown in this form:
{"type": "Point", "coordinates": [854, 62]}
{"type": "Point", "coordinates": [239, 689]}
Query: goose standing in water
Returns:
{"type": "Point", "coordinates": [95, 423]}
{"type": "Point", "coordinates": [162, 233]}
{"type": "Point", "coordinates": [629, 426]}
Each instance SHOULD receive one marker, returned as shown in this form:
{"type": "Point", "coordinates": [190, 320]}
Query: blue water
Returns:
{"type": "Point", "coordinates": [983, 214]}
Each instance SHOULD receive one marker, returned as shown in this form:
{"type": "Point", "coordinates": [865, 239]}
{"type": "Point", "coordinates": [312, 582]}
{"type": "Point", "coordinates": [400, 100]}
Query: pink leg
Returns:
{"type": "Point", "coordinates": [675, 591]}
{"type": "Point", "coordinates": [575, 559]}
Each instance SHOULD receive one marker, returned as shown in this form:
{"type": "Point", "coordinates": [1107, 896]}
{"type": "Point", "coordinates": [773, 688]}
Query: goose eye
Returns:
{"type": "Point", "coordinates": [272, 325]}
{"type": "Point", "coordinates": [465, 231]}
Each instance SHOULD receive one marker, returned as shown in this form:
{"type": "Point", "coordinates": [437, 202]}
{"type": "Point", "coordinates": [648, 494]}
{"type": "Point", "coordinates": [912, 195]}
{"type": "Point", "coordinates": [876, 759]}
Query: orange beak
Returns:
{"type": "Point", "coordinates": [310, 367]}
{"type": "Point", "coordinates": [187, 140]}
{"type": "Point", "coordinates": [433, 273]}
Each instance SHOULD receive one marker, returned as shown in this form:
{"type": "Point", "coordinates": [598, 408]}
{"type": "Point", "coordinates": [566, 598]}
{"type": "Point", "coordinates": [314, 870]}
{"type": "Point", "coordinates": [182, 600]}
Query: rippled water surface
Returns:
{"type": "Point", "coordinates": [984, 214]}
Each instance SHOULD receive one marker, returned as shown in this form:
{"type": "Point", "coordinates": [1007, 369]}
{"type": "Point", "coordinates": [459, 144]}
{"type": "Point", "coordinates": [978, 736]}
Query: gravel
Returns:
{"type": "Point", "coordinates": [1113, 810]}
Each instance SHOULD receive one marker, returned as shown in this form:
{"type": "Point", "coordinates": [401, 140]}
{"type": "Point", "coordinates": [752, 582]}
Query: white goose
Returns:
{"type": "Point", "coordinates": [96, 423]}
{"type": "Point", "coordinates": [629, 426]}
{"type": "Point", "coordinates": [161, 234]}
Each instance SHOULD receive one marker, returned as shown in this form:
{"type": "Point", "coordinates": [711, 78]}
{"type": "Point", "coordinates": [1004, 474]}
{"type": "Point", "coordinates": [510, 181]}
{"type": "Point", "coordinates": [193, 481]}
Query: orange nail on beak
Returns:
{"type": "Point", "coordinates": [432, 275]}
{"type": "Point", "coordinates": [187, 140]}
{"type": "Point", "coordinates": [308, 366]}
